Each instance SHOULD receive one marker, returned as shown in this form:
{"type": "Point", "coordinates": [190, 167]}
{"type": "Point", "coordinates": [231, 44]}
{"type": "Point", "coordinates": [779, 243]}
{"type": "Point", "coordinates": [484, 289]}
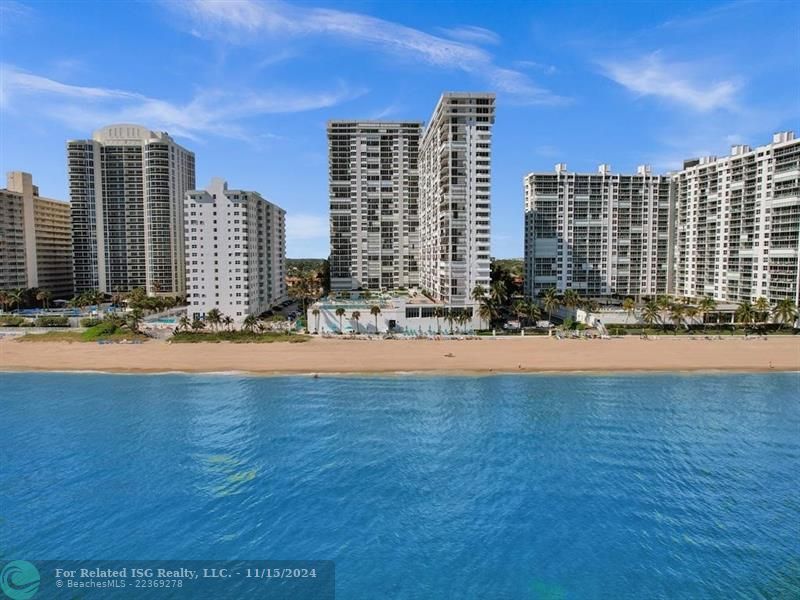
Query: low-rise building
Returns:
{"type": "Point", "coordinates": [412, 314]}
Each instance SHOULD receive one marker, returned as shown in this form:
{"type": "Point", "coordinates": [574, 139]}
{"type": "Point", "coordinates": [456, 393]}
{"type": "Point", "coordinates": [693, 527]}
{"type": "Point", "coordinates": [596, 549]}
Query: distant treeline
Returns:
{"type": "Point", "coordinates": [304, 264]}
{"type": "Point", "coordinates": [515, 266]}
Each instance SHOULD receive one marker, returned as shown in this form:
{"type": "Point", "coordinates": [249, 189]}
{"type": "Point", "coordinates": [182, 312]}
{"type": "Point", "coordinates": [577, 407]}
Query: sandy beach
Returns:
{"type": "Point", "coordinates": [495, 355]}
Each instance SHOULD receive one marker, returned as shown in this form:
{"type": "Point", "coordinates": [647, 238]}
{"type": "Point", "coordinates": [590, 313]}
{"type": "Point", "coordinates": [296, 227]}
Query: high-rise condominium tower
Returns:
{"type": "Point", "coordinates": [235, 252]}
{"type": "Point", "coordinates": [374, 191]}
{"type": "Point", "coordinates": [455, 197]}
{"type": "Point", "coordinates": [35, 239]}
{"type": "Point", "coordinates": [127, 186]}
{"type": "Point", "coordinates": [738, 223]}
{"type": "Point", "coordinates": [597, 234]}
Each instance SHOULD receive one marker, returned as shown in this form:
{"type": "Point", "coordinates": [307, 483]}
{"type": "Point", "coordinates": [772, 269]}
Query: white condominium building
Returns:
{"type": "Point", "coordinates": [235, 252]}
{"type": "Point", "coordinates": [455, 197]}
{"type": "Point", "coordinates": [35, 239]}
{"type": "Point", "coordinates": [374, 193]}
{"type": "Point", "coordinates": [127, 186]}
{"type": "Point", "coordinates": [738, 223]}
{"type": "Point", "coordinates": [598, 234]}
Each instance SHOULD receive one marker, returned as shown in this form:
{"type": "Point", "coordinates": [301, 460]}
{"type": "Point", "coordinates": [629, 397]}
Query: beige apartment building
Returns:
{"type": "Point", "coordinates": [35, 239]}
{"type": "Point", "coordinates": [127, 186]}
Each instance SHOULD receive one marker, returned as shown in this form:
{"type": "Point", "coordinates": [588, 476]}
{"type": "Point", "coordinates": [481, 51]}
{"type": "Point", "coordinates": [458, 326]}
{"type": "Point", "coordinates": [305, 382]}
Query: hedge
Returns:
{"type": "Point", "coordinates": [11, 321]}
{"type": "Point", "coordinates": [52, 322]}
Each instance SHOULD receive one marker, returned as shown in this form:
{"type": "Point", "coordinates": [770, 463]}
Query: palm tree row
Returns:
{"type": "Point", "coordinates": [664, 309]}
{"type": "Point", "coordinates": [87, 298]}
{"type": "Point", "coordinates": [340, 312]}
{"type": "Point", "coordinates": [215, 320]}
{"type": "Point", "coordinates": [138, 298]}
{"type": "Point", "coordinates": [17, 297]}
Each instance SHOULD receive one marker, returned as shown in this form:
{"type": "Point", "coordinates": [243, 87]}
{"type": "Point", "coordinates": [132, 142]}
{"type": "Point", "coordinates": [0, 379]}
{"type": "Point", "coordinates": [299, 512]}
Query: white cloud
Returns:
{"type": "Point", "coordinates": [677, 82]}
{"type": "Point", "coordinates": [13, 12]}
{"type": "Point", "coordinates": [241, 21]}
{"type": "Point", "coordinates": [211, 112]}
{"type": "Point", "coordinates": [536, 66]}
{"type": "Point", "coordinates": [472, 33]}
{"type": "Point", "coordinates": [386, 111]}
{"type": "Point", "coordinates": [306, 227]}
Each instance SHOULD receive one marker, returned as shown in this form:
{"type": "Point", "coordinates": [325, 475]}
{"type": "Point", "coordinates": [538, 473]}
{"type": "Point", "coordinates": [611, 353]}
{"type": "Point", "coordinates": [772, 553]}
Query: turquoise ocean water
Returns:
{"type": "Point", "coordinates": [643, 486]}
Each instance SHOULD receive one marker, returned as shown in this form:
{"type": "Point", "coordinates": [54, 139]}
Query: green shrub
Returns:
{"type": "Point", "coordinates": [236, 337]}
{"type": "Point", "coordinates": [11, 321]}
{"type": "Point", "coordinates": [45, 321]}
{"type": "Point", "coordinates": [102, 329]}
{"type": "Point", "coordinates": [90, 321]}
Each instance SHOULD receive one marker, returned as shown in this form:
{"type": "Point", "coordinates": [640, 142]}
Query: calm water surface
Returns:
{"type": "Point", "coordinates": [668, 486]}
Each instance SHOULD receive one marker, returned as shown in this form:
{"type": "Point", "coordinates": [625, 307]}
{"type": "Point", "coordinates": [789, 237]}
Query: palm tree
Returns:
{"type": "Point", "coordinates": [198, 324]}
{"type": "Point", "coordinates": [438, 312]}
{"type": "Point", "coordinates": [97, 297]}
{"type": "Point", "coordinates": [499, 293]}
{"type": "Point", "coordinates": [356, 316]}
{"type": "Point", "coordinates": [664, 303]}
{"type": "Point", "coordinates": [629, 306]}
{"type": "Point", "coordinates": [746, 314]}
{"type": "Point", "coordinates": [250, 323]}
{"type": "Point", "coordinates": [375, 310]}
{"type": "Point", "coordinates": [214, 318]}
{"type": "Point", "coordinates": [706, 305]}
{"type": "Point", "coordinates": [135, 319]}
{"type": "Point", "coordinates": [183, 323]}
{"type": "Point", "coordinates": [305, 288]}
{"type": "Point", "coordinates": [478, 292]}
{"type": "Point", "coordinates": [315, 312]}
{"type": "Point", "coordinates": [463, 319]}
{"type": "Point", "coordinates": [449, 317]}
{"type": "Point", "coordinates": [550, 302]}
{"type": "Point", "coordinates": [340, 313]}
{"type": "Point", "coordinates": [44, 297]}
{"type": "Point", "coordinates": [651, 313]}
{"type": "Point", "coordinates": [521, 311]}
{"type": "Point", "coordinates": [16, 296]}
{"type": "Point", "coordinates": [761, 306]}
{"type": "Point", "coordinates": [676, 315]}
{"type": "Point", "coordinates": [571, 299]}
{"type": "Point", "coordinates": [5, 299]}
{"type": "Point", "coordinates": [533, 312]}
{"type": "Point", "coordinates": [691, 314]}
{"type": "Point", "coordinates": [785, 312]}
{"type": "Point", "coordinates": [488, 311]}
{"type": "Point", "coordinates": [227, 320]}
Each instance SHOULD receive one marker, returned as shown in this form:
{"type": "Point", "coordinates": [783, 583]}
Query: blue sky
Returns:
{"type": "Point", "coordinates": [249, 85]}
